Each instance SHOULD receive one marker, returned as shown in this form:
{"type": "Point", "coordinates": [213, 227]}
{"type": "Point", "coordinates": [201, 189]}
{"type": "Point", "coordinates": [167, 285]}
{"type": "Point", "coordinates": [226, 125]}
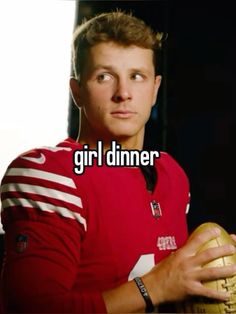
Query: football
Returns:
{"type": "Point", "coordinates": [207, 305]}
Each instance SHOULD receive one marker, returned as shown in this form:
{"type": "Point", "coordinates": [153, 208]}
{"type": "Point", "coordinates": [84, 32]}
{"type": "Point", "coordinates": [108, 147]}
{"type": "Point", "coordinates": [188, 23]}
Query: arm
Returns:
{"type": "Point", "coordinates": [176, 277]}
{"type": "Point", "coordinates": [40, 201]}
{"type": "Point", "coordinates": [42, 277]}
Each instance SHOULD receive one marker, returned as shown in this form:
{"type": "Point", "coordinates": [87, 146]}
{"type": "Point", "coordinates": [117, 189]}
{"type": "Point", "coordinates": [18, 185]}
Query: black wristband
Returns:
{"type": "Point", "coordinates": [149, 305]}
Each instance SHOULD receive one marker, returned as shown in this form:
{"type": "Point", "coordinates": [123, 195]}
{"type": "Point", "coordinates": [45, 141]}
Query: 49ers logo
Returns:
{"type": "Point", "coordinates": [166, 243]}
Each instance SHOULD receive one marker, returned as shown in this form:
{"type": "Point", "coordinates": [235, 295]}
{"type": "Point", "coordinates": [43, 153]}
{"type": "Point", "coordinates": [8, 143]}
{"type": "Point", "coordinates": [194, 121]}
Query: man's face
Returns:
{"type": "Point", "coordinates": [117, 90]}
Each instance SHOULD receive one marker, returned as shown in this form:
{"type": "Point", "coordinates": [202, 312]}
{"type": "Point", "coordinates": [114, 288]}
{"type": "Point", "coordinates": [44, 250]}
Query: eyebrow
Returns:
{"type": "Point", "coordinates": [103, 66]}
{"type": "Point", "coordinates": [112, 68]}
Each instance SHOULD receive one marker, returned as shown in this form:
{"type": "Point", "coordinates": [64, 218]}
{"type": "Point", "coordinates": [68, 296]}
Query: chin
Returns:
{"type": "Point", "coordinates": [125, 129]}
{"type": "Point", "coordinates": [123, 134]}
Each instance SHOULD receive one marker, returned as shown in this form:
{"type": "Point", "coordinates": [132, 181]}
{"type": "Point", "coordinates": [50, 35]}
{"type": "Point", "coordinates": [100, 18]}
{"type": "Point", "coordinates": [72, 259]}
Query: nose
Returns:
{"type": "Point", "coordinates": [122, 91]}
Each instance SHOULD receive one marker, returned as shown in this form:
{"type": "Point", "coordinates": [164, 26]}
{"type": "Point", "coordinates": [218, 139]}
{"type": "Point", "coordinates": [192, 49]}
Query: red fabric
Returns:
{"type": "Point", "coordinates": [85, 233]}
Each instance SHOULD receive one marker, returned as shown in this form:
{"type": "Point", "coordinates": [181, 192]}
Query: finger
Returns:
{"type": "Point", "coordinates": [213, 273]}
{"type": "Point", "coordinates": [196, 240]}
{"type": "Point", "coordinates": [233, 236]}
{"type": "Point", "coordinates": [215, 294]}
{"type": "Point", "coordinates": [198, 289]}
{"type": "Point", "coordinates": [211, 254]}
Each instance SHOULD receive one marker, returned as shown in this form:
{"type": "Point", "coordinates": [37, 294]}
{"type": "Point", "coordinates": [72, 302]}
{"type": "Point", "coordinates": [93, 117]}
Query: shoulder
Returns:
{"type": "Point", "coordinates": [168, 162]}
{"type": "Point", "coordinates": [55, 159]}
{"type": "Point", "coordinates": [170, 167]}
{"type": "Point", "coordinates": [174, 181]}
{"type": "Point", "coordinates": [41, 181]}
{"type": "Point", "coordinates": [46, 166]}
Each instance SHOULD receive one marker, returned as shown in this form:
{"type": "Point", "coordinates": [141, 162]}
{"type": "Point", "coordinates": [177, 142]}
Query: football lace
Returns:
{"type": "Point", "coordinates": [231, 287]}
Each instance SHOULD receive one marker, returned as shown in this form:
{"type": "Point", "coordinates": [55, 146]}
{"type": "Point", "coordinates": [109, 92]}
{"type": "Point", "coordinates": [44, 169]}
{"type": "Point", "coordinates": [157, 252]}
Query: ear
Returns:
{"type": "Point", "coordinates": [156, 88]}
{"type": "Point", "coordinates": [75, 90]}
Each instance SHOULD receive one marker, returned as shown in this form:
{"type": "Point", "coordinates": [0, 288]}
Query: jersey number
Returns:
{"type": "Point", "coordinates": [145, 263]}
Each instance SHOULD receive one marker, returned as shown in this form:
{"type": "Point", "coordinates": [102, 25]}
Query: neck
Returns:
{"type": "Point", "coordinates": [125, 143]}
{"type": "Point", "coordinates": [91, 138]}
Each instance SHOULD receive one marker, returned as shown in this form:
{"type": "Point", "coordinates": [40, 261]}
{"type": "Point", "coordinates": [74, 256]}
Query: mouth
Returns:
{"type": "Point", "coordinates": [123, 114]}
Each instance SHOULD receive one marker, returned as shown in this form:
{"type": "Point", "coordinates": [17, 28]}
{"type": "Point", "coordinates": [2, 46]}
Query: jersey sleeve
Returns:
{"type": "Point", "coordinates": [44, 219]}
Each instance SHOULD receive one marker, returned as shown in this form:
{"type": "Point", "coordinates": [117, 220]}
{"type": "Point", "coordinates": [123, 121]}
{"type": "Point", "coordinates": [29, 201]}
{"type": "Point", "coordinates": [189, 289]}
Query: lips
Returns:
{"type": "Point", "coordinates": [123, 114]}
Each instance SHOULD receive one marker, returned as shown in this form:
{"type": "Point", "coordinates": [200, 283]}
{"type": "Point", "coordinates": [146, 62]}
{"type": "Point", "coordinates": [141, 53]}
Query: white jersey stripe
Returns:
{"type": "Point", "coordinates": [57, 148]}
{"type": "Point", "coordinates": [65, 212]}
{"type": "Point", "coordinates": [45, 191]}
{"type": "Point", "coordinates": [39, 174]}
{"type": "Point", "coordinates": [187, 208]}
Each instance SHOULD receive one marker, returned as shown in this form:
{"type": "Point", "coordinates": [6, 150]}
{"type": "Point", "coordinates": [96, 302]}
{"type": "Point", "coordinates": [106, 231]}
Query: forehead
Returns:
{"type": "Point", "coordinates": [118, 56]}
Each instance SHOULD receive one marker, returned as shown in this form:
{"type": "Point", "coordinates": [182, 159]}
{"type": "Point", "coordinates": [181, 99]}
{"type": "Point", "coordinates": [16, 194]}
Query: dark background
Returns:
{"type": "Point", "coordinates": [194, 118]}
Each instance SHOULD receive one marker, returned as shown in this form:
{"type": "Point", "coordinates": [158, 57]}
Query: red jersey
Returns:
{"type": "Point", "coordinates": [70, 237]}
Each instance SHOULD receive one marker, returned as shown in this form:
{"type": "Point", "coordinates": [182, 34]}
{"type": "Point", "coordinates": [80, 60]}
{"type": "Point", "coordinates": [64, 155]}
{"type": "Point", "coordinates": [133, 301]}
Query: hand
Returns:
{"type": "Point", "coordinates": [181, 274]}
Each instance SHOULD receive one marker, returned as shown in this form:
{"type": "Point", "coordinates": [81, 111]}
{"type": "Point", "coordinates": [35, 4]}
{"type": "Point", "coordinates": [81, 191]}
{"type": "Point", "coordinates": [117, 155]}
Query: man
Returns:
{"type": "Point", "coordinates": [101, 241]}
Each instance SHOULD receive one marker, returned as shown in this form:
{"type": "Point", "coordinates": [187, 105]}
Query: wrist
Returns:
{"type": "Point", "coordinates": [150, 307]}
{"type": "Point", "coordinates": [154, 288]}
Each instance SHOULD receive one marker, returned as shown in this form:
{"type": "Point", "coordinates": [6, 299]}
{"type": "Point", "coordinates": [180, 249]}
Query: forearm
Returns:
{"type": "Point", "coordinates": [128, 299]}
{"type": "Point", "coordinates": [124, 299]}
{"type": "Point", "coordinates": [70, 302]}
{"type": "Point", "coordinates": [178, 276]}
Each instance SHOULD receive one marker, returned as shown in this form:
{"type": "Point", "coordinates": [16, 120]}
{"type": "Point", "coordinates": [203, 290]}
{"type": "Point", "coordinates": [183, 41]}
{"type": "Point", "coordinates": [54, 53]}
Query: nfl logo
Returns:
{"type": "Point", "coordinates": [21, 243]}
{"type": "Point", "coordinates": [156, 209]}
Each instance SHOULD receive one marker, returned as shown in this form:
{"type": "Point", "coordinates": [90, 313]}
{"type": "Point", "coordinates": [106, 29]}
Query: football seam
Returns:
{"type": "Point", "coordinates": [230, 305]}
